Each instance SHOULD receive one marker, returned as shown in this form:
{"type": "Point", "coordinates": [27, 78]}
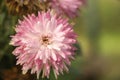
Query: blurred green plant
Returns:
{"type": "Point", "coordinates": [6, 29]}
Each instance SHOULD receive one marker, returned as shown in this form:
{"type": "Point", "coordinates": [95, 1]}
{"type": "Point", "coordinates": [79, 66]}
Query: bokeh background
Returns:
{"type": "Point", "coordinates": [98, 54]}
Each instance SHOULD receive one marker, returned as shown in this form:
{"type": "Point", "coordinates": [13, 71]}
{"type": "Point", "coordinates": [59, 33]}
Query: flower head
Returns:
{"type": "Point", "coordinates": [23, 7]}
{"type": "Point", "coordinates": [67, 7]}
{"type": "Point", "coordinates": [44, 42]}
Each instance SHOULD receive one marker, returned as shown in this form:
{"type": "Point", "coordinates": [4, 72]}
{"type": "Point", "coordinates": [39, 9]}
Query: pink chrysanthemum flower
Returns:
{"type": "Point", "coordinates": [67, 7]}
{"type": "Point", "coordinates": [44, 42]}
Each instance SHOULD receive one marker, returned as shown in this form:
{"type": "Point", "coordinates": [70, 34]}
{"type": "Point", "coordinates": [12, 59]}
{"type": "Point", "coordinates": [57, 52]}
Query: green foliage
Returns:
{"type": "Point", "coordinates": [6, 29]}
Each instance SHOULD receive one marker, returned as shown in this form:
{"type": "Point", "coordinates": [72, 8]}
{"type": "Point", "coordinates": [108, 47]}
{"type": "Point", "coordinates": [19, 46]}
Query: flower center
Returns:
{"type": "Point", "coordinates": [46, 40]}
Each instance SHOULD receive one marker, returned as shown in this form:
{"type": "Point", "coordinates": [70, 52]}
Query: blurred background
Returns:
{"type": "Point", "coordinates": [98, 54]}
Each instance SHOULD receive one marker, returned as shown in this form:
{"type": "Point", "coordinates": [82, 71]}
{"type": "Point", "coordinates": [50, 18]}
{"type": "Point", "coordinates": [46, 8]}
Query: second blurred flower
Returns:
{"type": "Point", "coordinates": [66, 7]}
